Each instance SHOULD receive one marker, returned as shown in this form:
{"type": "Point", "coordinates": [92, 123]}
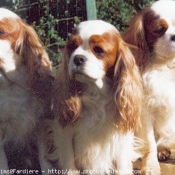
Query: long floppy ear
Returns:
{"type": "Point", "coordinates": [34, 56]}
{"type": "Point", "coordinates": [128, 85]}
{"type": "Point", "coordinates": [67, 94]}
{"type": "Point", "coordinates": [135, 35]}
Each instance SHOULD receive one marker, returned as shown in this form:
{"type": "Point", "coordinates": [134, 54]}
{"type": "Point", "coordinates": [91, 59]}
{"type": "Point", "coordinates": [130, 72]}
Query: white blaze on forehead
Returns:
{"type": "Point", "coordinates": [5, 13]}
{"type": "Point", "coordinates": [92, 27]}
{"type": "Point", "coordinates": [165, 9]}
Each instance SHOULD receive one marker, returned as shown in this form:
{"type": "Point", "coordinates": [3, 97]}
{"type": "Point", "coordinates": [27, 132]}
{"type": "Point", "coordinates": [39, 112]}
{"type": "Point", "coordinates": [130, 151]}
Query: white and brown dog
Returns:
{"type": "Point", "coordinates": [96, 103]}
{"type": "Point", "coordinates": [153, 32]}
{"type": "Point", "coordinates": [25, 82]}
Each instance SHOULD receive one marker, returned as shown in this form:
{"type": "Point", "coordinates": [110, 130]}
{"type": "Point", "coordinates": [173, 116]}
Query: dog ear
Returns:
{"type": "Point", "coordinates": [128, 86]}
{"type": "Point", "coordinates": [67, 94]}
{"type": "Point", "coordinates": [34, 56]}
{"type": "Point", "coordinates": [135, 35]}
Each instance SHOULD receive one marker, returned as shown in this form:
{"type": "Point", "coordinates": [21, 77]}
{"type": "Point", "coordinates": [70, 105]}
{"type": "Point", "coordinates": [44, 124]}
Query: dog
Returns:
{"type": "Point", "coordinates": [153, 31]}
{"type": "Point", "coordinates": [97, 100]}
{"type": "Point", "coordinates": [25, 81]}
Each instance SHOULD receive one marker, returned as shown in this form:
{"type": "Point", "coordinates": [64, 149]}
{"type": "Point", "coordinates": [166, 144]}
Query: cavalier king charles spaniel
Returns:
{"type": "Point", "coordinates": [153, 32]}
{"type": "Point", "coordinates": [96, 104]}
{"type": "Point", "coordinates": [25, 82]}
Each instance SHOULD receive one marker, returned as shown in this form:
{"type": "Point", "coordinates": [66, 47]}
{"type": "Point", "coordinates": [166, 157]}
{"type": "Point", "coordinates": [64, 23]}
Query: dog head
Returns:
{"type": "Point", "coordinates": [153, 31]}
{"type": "Point", "coordinates": [21, 47]}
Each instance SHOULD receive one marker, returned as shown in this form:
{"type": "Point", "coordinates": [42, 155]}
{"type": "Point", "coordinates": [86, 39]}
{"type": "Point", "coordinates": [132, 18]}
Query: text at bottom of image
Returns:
{"type": "Point", "coordinates": [66, 171]}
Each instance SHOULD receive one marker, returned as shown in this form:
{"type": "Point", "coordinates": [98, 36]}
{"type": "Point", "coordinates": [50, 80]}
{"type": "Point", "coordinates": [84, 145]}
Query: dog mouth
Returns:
{"type": "Point", "coordinates": [80, 75]}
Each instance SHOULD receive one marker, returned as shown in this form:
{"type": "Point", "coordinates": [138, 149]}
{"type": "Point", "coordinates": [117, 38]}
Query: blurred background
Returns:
{"type": "Point", "coordinates": [54, 19]}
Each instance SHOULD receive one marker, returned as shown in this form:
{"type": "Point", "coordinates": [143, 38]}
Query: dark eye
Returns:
{"type": "Point", "coordinates": [72, 46]}
{"type": "Point", "coordinates": [161, 30]}
{"type": "Point", "coordinates": [98, 50]}
{"type": "Point", "coordinates": [1, 32]}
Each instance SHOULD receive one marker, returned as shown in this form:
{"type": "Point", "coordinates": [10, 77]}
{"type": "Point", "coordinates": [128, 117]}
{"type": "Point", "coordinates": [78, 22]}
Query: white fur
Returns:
{"type": "Point", "coordinates": [5, 13]}
{"type": "Point", "coordinates": [95, 139]}
{"type": "Point", "coordinates": [94, 142]}
{"type": "Point", "coordinates": [11, 98]}
{"type": "Point", "coordinates": [158, 117]}
{"type": "Point", "coordinates": [152, 31]}
{"type": "Point", "coordinates": [94, 67]}
{"type": "Point", "coordinates": [159, 110]}
{"type": "Point", "coordinates": [19, 108]}
{"type": "Point", "coordinates": [165, 9]}
{"type": "Point", "coordinates": [86, 29]}
{"type": "Point", "coordinates": [8, 59]}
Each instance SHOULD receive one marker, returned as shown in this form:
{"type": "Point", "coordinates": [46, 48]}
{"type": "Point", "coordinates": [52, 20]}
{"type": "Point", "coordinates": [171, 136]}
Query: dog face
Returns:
{"type": "Point", "coordinates": [152, 30]}
{"type": "Point", "coordinates": [96, 59]}
{"type": "Point", "coordinates": [9, 32]}
{"type": "Point", "coordinates": [159, 24]}
{"type": "Point", "coordinates": [93, 50]}
{"type": "Point", "coordinates": [21, 50]}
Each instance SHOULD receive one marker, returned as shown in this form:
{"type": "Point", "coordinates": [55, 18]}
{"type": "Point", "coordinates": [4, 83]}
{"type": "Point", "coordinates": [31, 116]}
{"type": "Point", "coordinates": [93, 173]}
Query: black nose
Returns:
{"type": "Point", "coordinates": [173, 38]}
{"type": "Point", "coordinates": [79, 60]}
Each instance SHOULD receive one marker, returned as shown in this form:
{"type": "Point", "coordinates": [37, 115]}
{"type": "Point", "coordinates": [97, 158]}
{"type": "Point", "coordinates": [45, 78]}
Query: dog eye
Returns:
{"type": "Point", "coordinates": [98, 50]}
{"type": "Point", "coordinates": [161, 30]}
{"type": "Point", "coordinates": [1, 32]}
{"type": "Point", "coordinates": [72, 46]}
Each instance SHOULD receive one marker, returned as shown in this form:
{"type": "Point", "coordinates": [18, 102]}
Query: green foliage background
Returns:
{"type": "Point", "coordinates": [116, 12]}
{"type": "Point", "coordinates": [119, 12]}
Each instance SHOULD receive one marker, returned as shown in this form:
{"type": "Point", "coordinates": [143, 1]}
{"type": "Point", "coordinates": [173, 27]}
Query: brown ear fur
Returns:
{"type": "Point", "coordinates": [135, 35]}
{"type": "Point", "coordinates": [36, 60]}
{"type": "Point", "coordinates": [128, 85]}
{"type": "Point", "coordinates": [67, 94]}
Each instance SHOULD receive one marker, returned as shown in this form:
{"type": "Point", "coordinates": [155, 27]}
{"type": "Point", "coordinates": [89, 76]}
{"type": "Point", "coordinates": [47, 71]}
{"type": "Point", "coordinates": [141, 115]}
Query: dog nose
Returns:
{"type": "Point", "coordinates": [79, 60]}
{"type": "Point", "coordinates": [173, 38]}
